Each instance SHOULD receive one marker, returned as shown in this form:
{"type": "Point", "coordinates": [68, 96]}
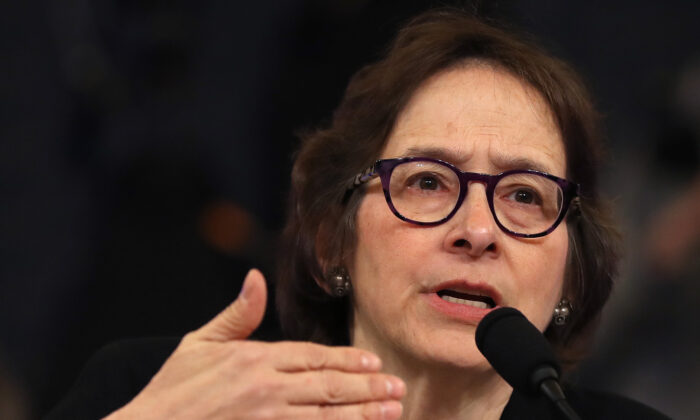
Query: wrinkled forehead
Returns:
{"type": "Point", "coordinates": [483, 71]}
{"type": "Point", "coordinates": [478, 102]}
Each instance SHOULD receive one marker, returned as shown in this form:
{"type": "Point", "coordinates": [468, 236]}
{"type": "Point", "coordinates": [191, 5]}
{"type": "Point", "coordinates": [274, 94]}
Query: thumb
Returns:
{"type": "Point", "coordinates": [243, 316]}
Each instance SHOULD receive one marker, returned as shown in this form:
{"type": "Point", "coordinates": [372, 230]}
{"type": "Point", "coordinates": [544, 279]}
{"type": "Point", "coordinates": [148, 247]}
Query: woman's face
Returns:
{"type": "Point", "coordinates": [483, 120]}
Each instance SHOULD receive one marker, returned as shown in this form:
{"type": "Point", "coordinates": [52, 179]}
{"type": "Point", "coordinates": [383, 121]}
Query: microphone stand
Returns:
{"type": "Point", "coordinates": [548, 381]}
{"type": "Point", "coordinates": [534, 369]}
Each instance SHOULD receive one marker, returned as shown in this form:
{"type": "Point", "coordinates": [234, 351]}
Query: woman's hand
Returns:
{"type": "Point", "coordinates": [216, 374]}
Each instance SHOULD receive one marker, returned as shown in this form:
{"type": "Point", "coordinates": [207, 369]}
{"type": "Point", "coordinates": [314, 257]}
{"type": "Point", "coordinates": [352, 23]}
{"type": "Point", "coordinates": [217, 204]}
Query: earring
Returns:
{"type": "Point", "coordinates": [339, 282]}
{"type": "Point", "coordinates": [562, 312]}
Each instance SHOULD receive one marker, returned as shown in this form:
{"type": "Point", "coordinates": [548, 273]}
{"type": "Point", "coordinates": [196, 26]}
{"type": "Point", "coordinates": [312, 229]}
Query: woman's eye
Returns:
{"type": "Point", "coordinates": [525, 197]}
{"type": "Point", "coordinates": [428, 183]}
{"type": "Point", "coordinates": [425, 181]}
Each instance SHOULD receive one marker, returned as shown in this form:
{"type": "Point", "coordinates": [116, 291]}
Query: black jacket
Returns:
{"type": "Point", "coordinates": [121, 370]}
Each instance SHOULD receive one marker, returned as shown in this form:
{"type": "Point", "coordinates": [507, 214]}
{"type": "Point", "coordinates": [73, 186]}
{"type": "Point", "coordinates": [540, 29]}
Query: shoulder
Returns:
{"type": "Point", "coordinates": [587, 404]}
{"type": "Point", "coordinates": [113, 376]}
{"type": "Point", "coordinates": [603, 405]}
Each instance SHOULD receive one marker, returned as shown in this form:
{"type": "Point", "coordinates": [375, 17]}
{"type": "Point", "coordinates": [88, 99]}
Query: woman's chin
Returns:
{"type": "Point", "coordinates": [465, 360]}
{"type": "Point", "coordinates": [461, 356]}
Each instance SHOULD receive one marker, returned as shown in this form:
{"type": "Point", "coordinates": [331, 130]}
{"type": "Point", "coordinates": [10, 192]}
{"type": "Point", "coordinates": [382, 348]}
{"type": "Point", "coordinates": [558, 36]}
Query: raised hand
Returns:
{"type": "Point", "coordinates": [215, 373]}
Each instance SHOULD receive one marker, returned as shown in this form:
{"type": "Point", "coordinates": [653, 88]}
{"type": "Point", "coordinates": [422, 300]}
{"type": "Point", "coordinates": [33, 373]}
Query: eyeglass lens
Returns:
{"type": "Point", "coordinates": [427, 192]}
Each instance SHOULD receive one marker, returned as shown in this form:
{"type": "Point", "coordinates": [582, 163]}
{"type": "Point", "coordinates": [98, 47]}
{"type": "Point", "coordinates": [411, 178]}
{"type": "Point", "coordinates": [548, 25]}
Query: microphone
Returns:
{"type": "Point", "coordinates": [519, 352]}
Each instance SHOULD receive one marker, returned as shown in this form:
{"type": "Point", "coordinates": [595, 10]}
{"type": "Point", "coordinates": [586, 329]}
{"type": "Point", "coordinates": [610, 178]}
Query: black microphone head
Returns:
{"type": "Point", "coordinates": [516, 349]}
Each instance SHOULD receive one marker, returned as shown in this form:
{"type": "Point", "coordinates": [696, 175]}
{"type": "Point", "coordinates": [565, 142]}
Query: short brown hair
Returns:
{"type": "Point", "coordinates": [320, 230]}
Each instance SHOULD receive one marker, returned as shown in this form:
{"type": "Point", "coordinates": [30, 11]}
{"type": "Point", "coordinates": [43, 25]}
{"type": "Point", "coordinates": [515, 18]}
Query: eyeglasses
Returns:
{"type": "Point", "coordinates": [426, 191]}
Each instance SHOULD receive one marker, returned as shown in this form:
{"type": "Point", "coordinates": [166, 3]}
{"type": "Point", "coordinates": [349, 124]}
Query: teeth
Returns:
{"type": "Point", "coordinates": [474, 303]}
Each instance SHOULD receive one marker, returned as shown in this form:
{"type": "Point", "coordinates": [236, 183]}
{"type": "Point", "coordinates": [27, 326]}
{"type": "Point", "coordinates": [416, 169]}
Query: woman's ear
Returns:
{"type": "Point", "coordinates": [335, 281]}
{"type": "Point", "coordinates": [323, 284]}
{"type": "Point", "coordinates": [334, 247]}
{"type": "Point", "coordinates": [329, 250]}
{"type": "Point", "coordinates": [322, 251]}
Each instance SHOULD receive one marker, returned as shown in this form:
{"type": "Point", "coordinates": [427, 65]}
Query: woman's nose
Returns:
{"type": "Point", "coordinates": [472, 229]}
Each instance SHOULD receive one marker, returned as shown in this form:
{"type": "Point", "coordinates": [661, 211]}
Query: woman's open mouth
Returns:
{"type": "Point", "coordinates": [478, 301]}
{"type": "Point", "coordinates": [466, 301]}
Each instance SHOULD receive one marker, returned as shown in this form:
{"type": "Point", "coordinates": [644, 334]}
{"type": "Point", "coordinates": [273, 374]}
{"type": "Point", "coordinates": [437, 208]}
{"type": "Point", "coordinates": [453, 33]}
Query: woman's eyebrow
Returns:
{"type": "Point", "coordinates": [506, 163]}
{"type": "Point", "coordinates": [501, 162]}
{"type": "Point", "coordinates": [435, 153]}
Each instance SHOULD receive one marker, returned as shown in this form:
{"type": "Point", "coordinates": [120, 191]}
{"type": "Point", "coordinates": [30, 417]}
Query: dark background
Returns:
{"type": "Point", "coordinates": [145, 148]}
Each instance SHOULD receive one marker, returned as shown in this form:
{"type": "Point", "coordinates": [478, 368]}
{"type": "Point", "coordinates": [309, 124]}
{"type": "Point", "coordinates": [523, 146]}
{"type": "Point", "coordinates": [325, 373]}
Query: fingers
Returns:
{"type": "Point", "coordinates": [243, 316]}
{"type": "Point", "coordinates": [384, 410]}
{"type": "Point", "coordinates": [302, 356]}
{"type": "Point", "coordinates": [334, 387]}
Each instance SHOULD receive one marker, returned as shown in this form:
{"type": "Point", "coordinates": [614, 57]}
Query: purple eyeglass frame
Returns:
{"type": "Point", "coordinates": [383, 168]}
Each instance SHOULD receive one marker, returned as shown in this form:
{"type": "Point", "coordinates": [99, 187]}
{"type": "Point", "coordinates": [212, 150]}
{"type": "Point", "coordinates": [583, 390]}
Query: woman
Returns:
{"type": "Point", "coordinates": [457, 175]}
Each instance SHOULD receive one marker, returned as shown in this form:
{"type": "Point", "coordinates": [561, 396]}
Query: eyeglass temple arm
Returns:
{"type": "Point", "coordinates": [358, 180]}
{"type": "Point", "coordinates": [363, 177]}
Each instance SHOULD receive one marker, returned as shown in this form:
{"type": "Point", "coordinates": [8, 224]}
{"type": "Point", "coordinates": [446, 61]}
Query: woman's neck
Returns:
{"type": "Point", "coordinates": [447, 392]}
{"type": "Point", "coordinates": [440, 385]}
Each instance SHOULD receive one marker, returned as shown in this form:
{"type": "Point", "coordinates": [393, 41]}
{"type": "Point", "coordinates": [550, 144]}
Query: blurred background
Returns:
{"type": "Point", "coordinates": [145, 148]}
